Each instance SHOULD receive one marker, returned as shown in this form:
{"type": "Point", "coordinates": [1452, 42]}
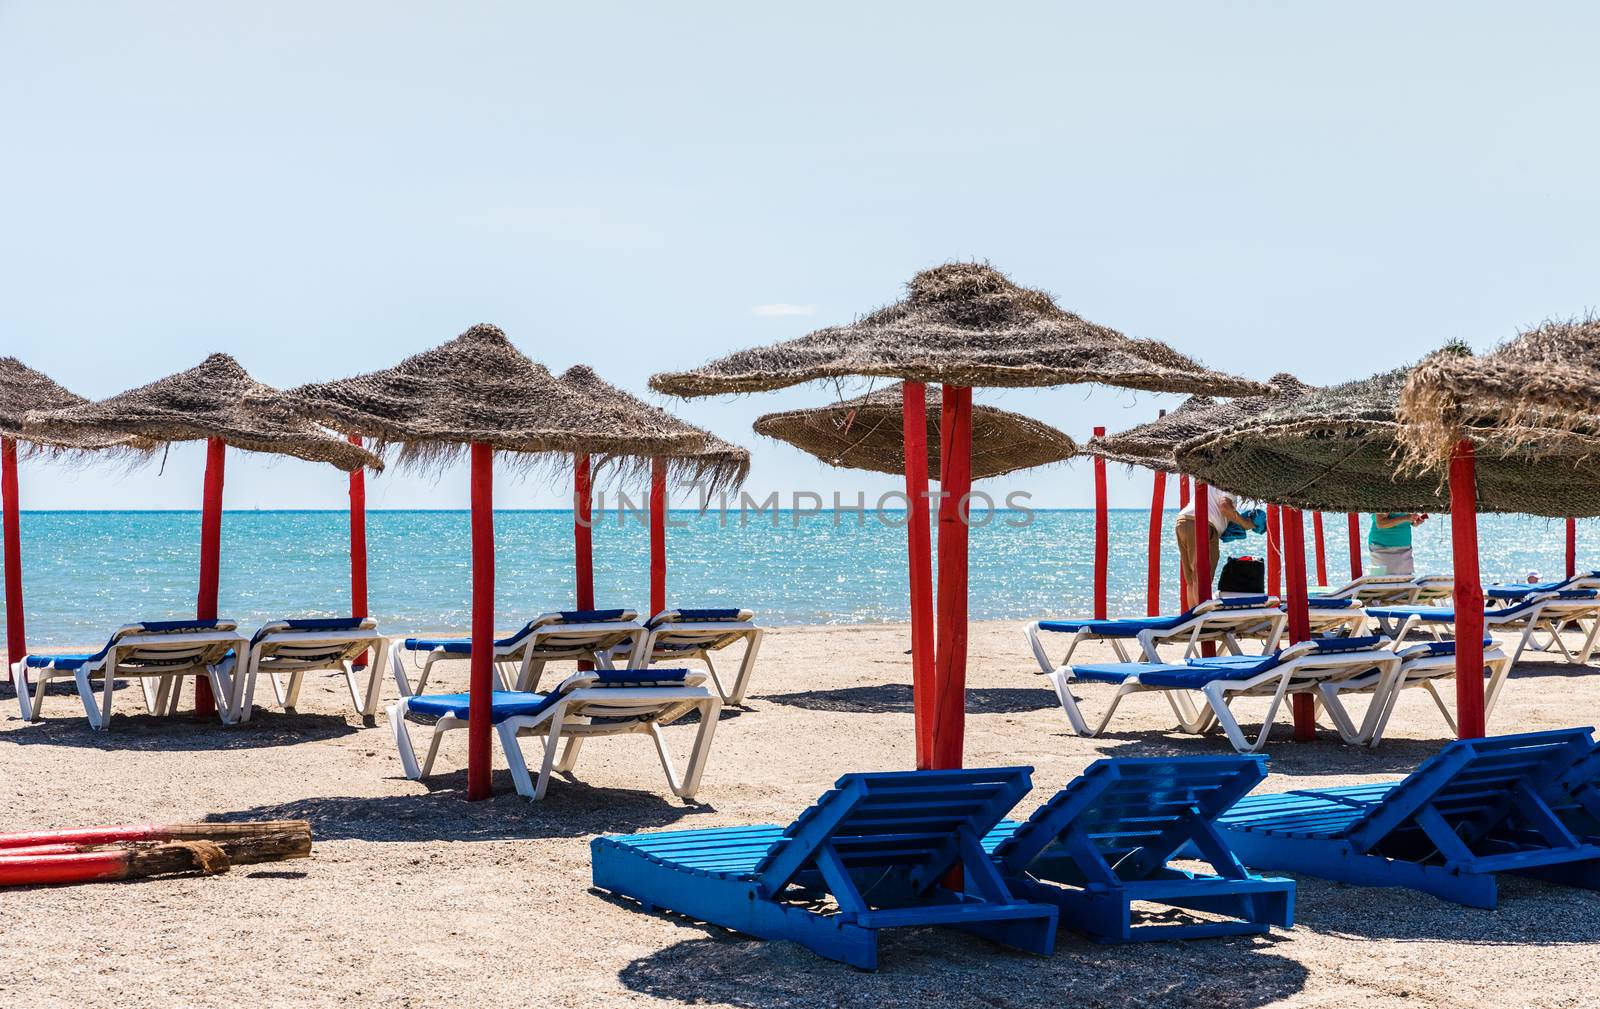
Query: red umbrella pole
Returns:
{"type": "Point", "coordinates": [1102, 535]}
{"type": "Point", "coordinates": [16, 630]}
{"type": "Point", "coordinates": [658, 536]}
{"type": "Point", "coordinates": [1274, 550]}
{"type": "Point", "coordinates": [1202, 542]}
{"type": "Point", "coordinates": [582, 536]}
{"type": "Point", "coordinates": [1294, 555]}
{"type": "Point", "coordinates": [205, 607]}
{"type": "Point", "coordinates": [1572, 546]}
{"type": "Point", "coordinates": [1355, 546]}
{"type": "Point", "coordinates": [950, 667]}
{"type": "Point", "coordinates": [1322, 557]}
{"type": "Point", "coordinates": [1468, 591]}
{"type": "Point", "coordinates": [919, 556]}
{"type": "Point", "coordinates": [480, 703]}
{"type": "Point", "coordinates": [1158, 505]}
{"type": "Point", "coordinates": [358, 545]}
{"type": "Point", "coordinates": [1183, 580]}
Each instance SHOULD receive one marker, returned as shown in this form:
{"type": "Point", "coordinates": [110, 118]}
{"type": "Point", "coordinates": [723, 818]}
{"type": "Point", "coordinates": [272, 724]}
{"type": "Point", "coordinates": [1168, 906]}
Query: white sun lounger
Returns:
{"type": "Point", "coordinates": [1421, 665]}
{"type": "Point", "coordinates": [156, 653]}
{"type": "Point", "coordinates": [1391, 589]}
{"type": "Point", "coordinates": [285, 650]}
{"type": "Point", "coordinates": [1547, 611]}
{"type": "Point", "coordinates": [1299, 668]}
{"type": "Point", "coordinates": [576, 635]}
{"type": "Point", "coordinates": [602, 702]}
{"type": "Point", "coordinates": [1218, 620]}
{"type": "Point", "coordinates": [1343, 617]}
{"type": "Point", "coordinates": [675, 636]}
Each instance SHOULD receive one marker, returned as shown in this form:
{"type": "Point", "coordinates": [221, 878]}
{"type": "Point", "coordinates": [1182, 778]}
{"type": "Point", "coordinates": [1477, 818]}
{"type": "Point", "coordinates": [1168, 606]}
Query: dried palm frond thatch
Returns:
{"type": "Point", "coordinates": [962, 324]}
{"type": "Point", "coordinates": [868, 433]}
{"type": "Point", "coordinates": [215, 399]}
{"type": "Point", "coordinates": [1151, 445]}
{"type": "Point", "coordinates": [23, 389]}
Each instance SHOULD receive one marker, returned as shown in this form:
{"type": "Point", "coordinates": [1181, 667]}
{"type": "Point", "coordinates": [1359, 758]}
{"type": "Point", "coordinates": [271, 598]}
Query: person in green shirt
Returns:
{"type": "Point", "coordinates": [1389, 542]}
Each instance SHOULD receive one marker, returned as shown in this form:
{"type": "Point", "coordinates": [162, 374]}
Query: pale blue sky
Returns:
{"type": "Point", "coordinates": [320, 188]}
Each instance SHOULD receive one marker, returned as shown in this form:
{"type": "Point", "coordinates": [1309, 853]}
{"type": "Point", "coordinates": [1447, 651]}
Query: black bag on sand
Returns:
{"type": "Point", "coordinates": [1243, 574]}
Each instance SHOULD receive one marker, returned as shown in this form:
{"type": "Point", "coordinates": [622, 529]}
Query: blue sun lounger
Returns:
{"type": "Point", "coordinates": [882, 844]}
{"type": "Point", "coordinates": [1514, 591]}
{"type": "Point", "coordinates": [1479, 808]}
{"type": "Point", "coordinates": [1213, 620]}
{"type": "Point", "coordinates": [1104, 842]}
{"type": "Point", "coordinates": [581, 635]}
{"type": "Point", "coordinates": [1544, 611]}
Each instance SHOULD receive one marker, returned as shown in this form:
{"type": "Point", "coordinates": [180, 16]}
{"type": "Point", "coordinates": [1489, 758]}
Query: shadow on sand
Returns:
{"type": "Point", "coordinates": [64, 725]}
{"type": "Point", "coordinates": [895, 699]}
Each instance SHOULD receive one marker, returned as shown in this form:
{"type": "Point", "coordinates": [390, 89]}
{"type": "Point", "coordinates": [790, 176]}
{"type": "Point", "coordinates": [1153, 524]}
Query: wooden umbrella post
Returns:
{"type": "Point", "coordinates": [1355, 546]}
{"type": "Point", "coordinates": [210, 558]}
{"type": "Point", "coordinates": [1294, 543]}
{"type": "Point", "coordinates": [950, 667]}
{"type": "Point", "coordinates": [582, 537]}
{"type": "Point", "coordinates": [1322, 557]}
{"type": "Point", "coordinates": [1158, 505]}
{"type": "Point", "coordinates": [658, 535]}
{"type": "Point", "coordinates": [1183, 579]}
{"type": "Point", "coordinates": [919, 566]}
{"type": "Point", "coordinates": [358, 546]}
{"type": "Point", "coordinates": [480, 702]}
{"type": "Point", "coordinates": [1468, 591]}
{"type": "Point", "coordinates": [1572, 547]}
{"type": "Point", "coordinates": [16, 627]}
{"type": "Point", "coordinates": [1274, 550]}
{"type": "Point", "coordinates": [1102, 534]}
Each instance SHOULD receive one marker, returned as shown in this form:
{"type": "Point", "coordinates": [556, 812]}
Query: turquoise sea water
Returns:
{"type": "Point", "coordinates": [87, 572]}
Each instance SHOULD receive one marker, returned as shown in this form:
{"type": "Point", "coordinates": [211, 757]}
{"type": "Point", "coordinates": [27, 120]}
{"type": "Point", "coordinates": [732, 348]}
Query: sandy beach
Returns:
{"type": "Point", "coordinates": [415, 898]}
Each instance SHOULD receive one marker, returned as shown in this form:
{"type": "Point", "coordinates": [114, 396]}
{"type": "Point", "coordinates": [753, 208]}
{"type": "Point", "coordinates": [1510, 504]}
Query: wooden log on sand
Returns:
{"type": "Point", "coordinates": [82, 855]}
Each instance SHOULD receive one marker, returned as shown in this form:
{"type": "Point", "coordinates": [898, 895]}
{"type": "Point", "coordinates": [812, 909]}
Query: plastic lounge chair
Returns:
{"type": "Point", "coordinates": [1479, 808]}
{"type": "Point", "coordinates": [579, 635]}
{"type": "Point", "coordinates": [1299, 668]}
{"type": "Point", "coordinates": [1104, 842]}
{"type": "Point", "coordinates": [1515, 591]}
{"type": "Point", "coordinates": [1213, 620]}
{"type": "Point", "coordinates": [1547, 612]}
{"type": "Point", "coordinates": [288, 649]}
{"type": "Point", "coordinates": [1371, 588]}
{"type": "Point", "coordinates": [601, 702]}
{"type": "Point", "coordinates": [1343, 617]}
{"type": "Point", "coordinates": [156, 653]}
{"type": "Point", "coordinates": [1421, 665]}
{"type": "Point", "coordinates": [881, 844]}
{"type": "Point", "coordinates": [675, 636]}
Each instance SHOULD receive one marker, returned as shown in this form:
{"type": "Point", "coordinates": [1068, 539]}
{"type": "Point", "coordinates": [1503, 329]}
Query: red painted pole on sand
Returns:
{"type": "Point", "coordinates": [1274, 550]}
{"type": "Point", "coordinates": [1355, 546]}
{"type": "Point", "coordinates": [205, 607]}
{"type": "Point", "coordinates": [950, 664]}
{"type": "Point", "coordinates": [582, 536]}
{"type": "Point", "coordinates": [658, 536]}
{"type": "Point", "coordinates": [358, 545]}
{"type": "Point", "coordinates": [1183, 580]}
{"type": "Point", "coordinates": [1102, 534]}
{"type": "Point", "coordinates": [1468, 591]}
{"type": "Point", "coordinates": [1572, 549]}
{"type": "Point", "coordinates": [1294, 542]}
{"type": "Point", "coordinates": [16, 629]}
{"type": "Point", "coordinates": [480, 703]}
{"type": "Point", "coordinates": [1322, 557]}
{"type": "Point", "coordinates": [919, 566]}
{"type": "Point", "coordinates": [1202, 542]}
{"type": "Point", "coordinates": [1158, 506]}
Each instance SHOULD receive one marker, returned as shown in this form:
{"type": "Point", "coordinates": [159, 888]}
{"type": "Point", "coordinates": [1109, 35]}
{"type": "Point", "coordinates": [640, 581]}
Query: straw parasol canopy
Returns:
{"type": "Point", "coordinates": [962, 324]}
{"type": "Point", "coordinates": [22, 389]}
{"type": "Point", "coordinates": [215, 399]}
{"type": "Point", "coordinates": [1525, 393]}
{"type": "Point", "coordinates": [714, 464]}
{"type": "Point", "coordinates": [1152, 445]}
{"type": "Point", "coordinates": [479, 388]}
{"type": "Point", "coordinates": [868, 433]}
{"type": "Point", "coordinates": [1338, 449]}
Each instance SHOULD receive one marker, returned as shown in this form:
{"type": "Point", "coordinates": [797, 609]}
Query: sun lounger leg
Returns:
{"type": "Point", "coordinates": [98, 718]}
{"type": "Point", "coordinates": [747, 665]}
{"type": "Point", "coordinates": [1587, 652]}
{"type": "Point", "coordinates": [1063, 688]}
{"type": "Point", "coordinates": [710, 714]}
{"type": "Point", "coordinates": [374, 695]}
{"type": "Point", "coordinates": [1190, 718]}
{"type": "Point", "coordinates": [27, 700]}
{"type": "Point", "coordinates": [402, 740]}
{"type": "Point", "coordinates": [1522, 642]}
{"type": "Point", "coordinates": [1230, 725]}
{"type": "Point", "coordinates": [397, 667]}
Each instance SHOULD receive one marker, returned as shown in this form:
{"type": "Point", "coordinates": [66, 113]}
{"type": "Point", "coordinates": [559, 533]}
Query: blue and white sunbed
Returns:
{"type": "Point", "coordinates": [1479, 808]}
{"type": "Point", "coordinates": [158, 654]}
{"type": "Point", "coordinates": [566, 635]}
{"type": "Point", "coordinates": [1342, 617]}
{"type": "Point", "coordinates": [1299, 668]}
{"type": "Point", "coordinates": [676, 636]}
{"type": "Point", "coordinates": [285, 650]}
{"type": "Point", "coordinates": [1103, 844]}
{"type": "Point", "coordinates": [1545, 611]}
{"type": "Point", "coordinates": [1516, 591]}
{"type": "Point", "coordinates": [1422, 665]}
{"type": "Point", "coordinates": [600, 702]}
{"type": "Point", "coordinates": [1215, 620]}
{"type": "Point", "coordinates": [882, 845]}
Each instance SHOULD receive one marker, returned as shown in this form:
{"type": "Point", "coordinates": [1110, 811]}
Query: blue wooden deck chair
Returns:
{"type": "Point", "coordinates": [880, 844]}
{"type": "Point", "coordinates": [1104, 842]}
{"type": "Point", "coordinates": [1478, 808]}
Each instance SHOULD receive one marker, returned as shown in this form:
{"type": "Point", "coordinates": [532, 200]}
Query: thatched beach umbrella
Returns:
{"type": "Point", "coordinates": [712, 464]}
{"type": "Point", "coordinates": [212, 402]}
{"type": "Point", "coordinates": [476, 395]}
{"type": "Point", "coordinates": [961, 324]}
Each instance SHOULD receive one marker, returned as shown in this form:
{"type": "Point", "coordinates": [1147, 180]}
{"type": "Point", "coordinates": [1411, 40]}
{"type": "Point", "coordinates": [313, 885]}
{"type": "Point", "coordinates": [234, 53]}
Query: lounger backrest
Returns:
{"type": "Point", "coordinates": [699, 616]}
{"type": "Point", "coordinates": [330, 625]}
{"type": "Point", "coordinates": [1470, 784]}
{"type": "Point", "coordinates": [556, 619]}
{"type": "Point", "coordinates": [1232, 603]}
{"type": "Point", "coordinates": [915, 821]}
{"type": "Point", "coordinates": [152, 651]}
{"type": "Point", "coordinates": [1575, 795]}
{"type": "Point", "coordinates": [1430, 649]}
{"type": "Point", "coordinates": [1124, 818]}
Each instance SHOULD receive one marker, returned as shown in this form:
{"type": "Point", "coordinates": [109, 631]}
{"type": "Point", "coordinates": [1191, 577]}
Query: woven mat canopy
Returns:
{"type": "Point", "coordinates": [479, 388]}
{"type": "Point", "coordinates": [868, 433]}
{"type": "Point", "coordinates": [714, 464]}
{"type": "Point", "coordinates": [1338, 449]}
{"type": "Point", "coordinates": [23, 389]}
{"type": "Point", "coordinates": [215, 399]}
{"type": "Point", "coordinates": [1523, 394]}
{"type": "Point", "coordinates": [1152, 445]}
{"type": "Point", "coordinates": [962, 324]}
